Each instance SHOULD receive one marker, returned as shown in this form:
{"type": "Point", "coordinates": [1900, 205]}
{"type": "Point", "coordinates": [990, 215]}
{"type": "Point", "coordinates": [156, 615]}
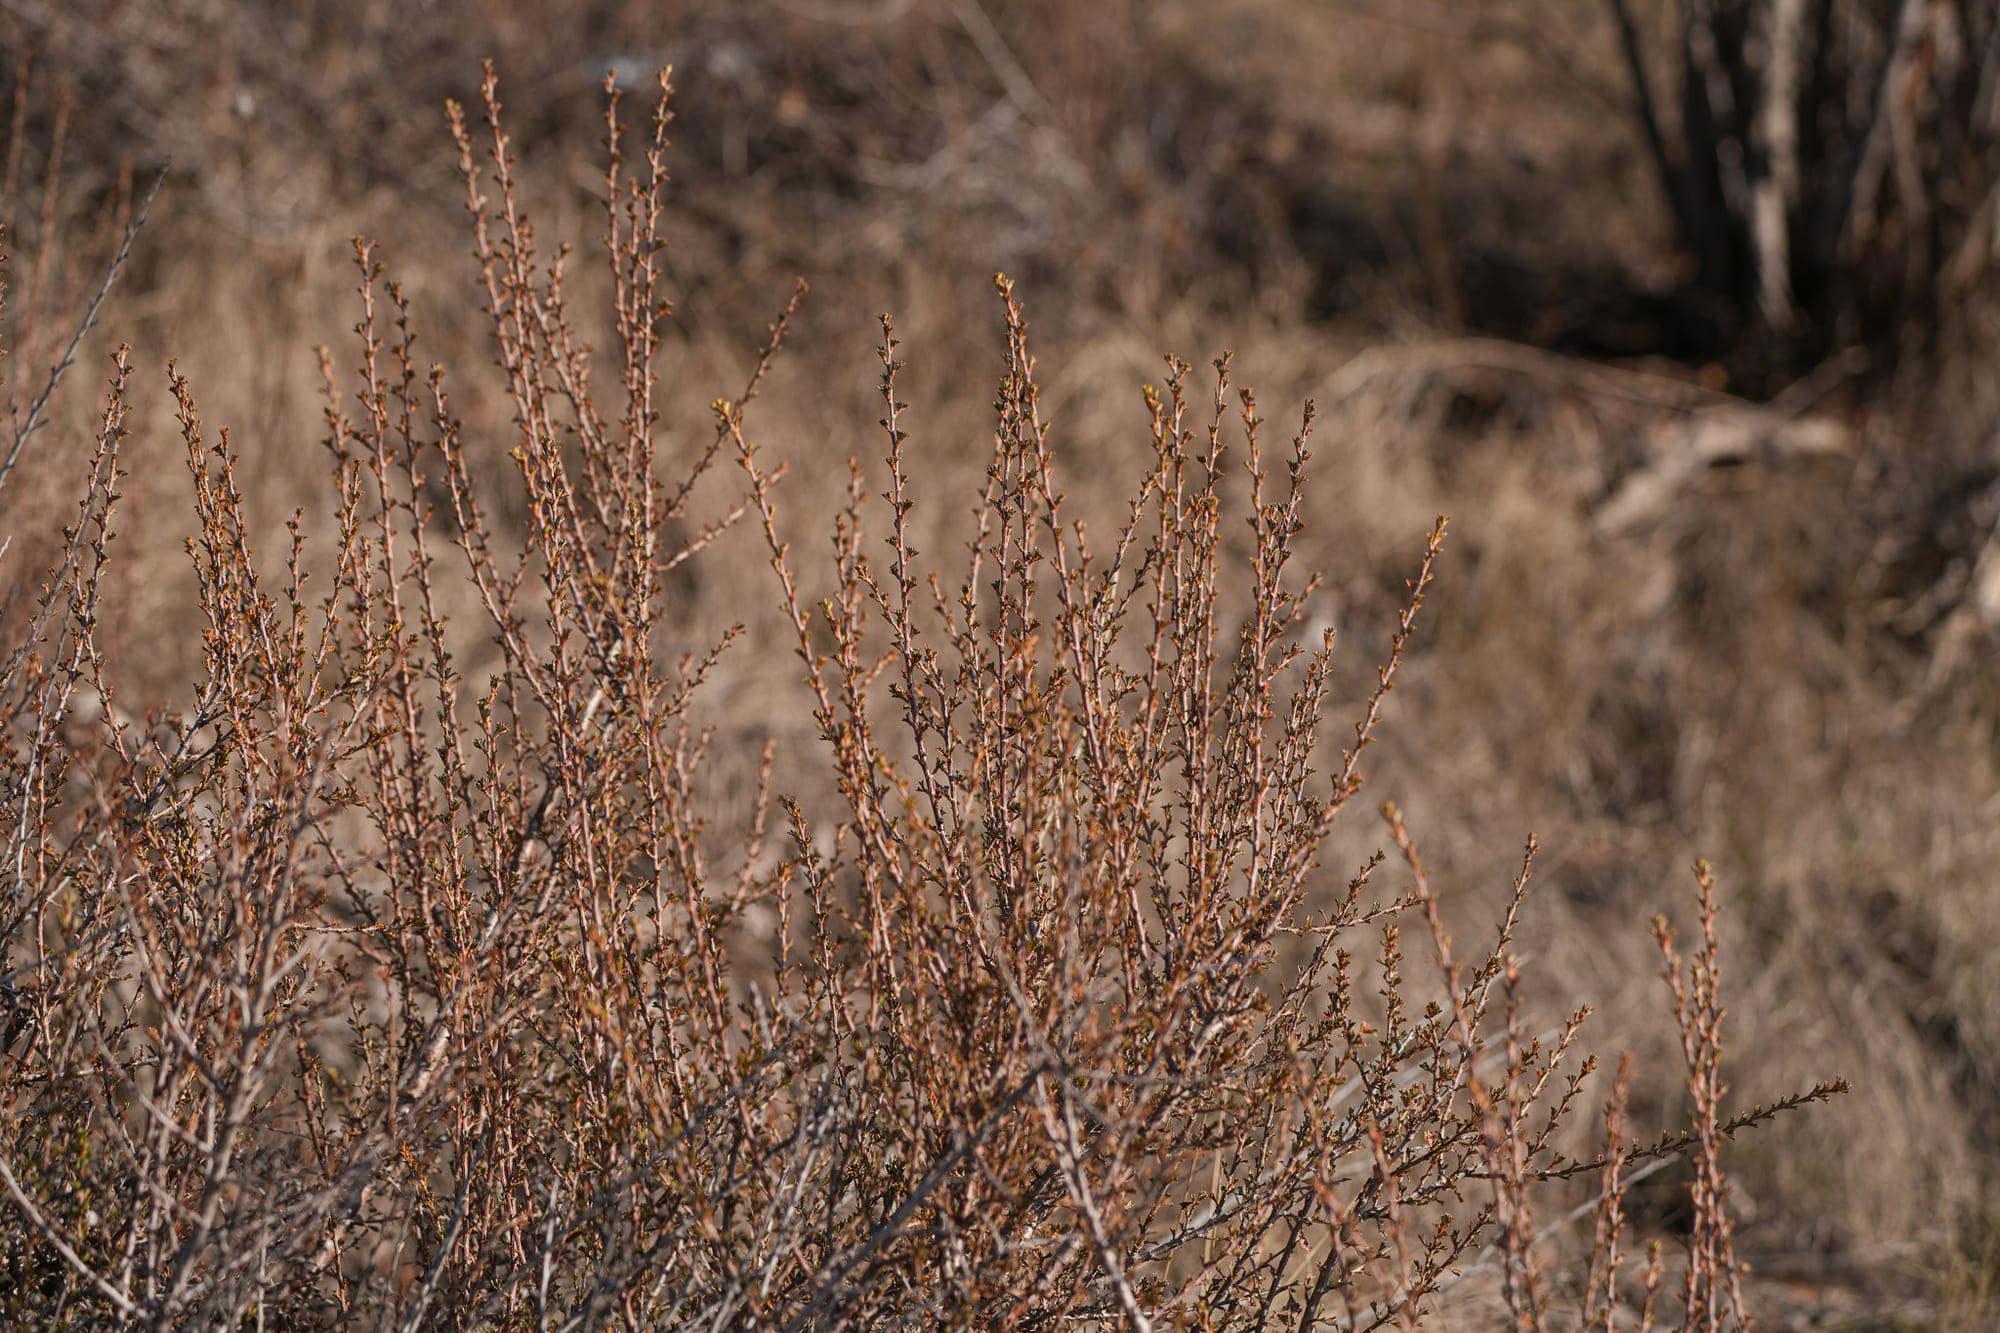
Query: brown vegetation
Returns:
{"type": "Point", "coordinates": [1671, 619]}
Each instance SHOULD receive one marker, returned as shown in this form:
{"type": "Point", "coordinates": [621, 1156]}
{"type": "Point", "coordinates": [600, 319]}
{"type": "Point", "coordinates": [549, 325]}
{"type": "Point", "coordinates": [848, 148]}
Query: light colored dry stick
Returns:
{"type": "Point", "coordinates": [1777, 138]}
{"type": "Point", "coordinates": [24, 426]}
{"type": "Point", "coordinates": [126, 1305]}
{"type": "Point", "coordinates": [1913, 21]}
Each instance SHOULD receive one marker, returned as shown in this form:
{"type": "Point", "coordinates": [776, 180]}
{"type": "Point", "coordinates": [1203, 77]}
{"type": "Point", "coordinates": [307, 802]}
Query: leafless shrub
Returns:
{"type": "Point", "coordinates": [356, 993]}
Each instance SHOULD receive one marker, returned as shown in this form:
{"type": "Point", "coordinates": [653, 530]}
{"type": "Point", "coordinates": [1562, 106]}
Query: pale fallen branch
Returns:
{"type": "Point", "coordinates": [1681, 451]}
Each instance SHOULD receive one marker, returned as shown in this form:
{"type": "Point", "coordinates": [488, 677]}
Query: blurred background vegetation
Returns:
{"type": "Point", "coordinates": [1704, 383]}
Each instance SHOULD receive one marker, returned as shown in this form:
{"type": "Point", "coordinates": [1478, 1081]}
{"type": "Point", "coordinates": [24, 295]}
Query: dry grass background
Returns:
{"type": "Point", "coordinates": [1399, 209]}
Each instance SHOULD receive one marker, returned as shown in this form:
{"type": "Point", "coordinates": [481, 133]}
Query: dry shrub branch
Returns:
{"type": "Point", "coordinates": [356, 993]}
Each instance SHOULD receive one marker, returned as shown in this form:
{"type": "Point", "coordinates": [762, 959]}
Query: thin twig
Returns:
{"type": "Point", "coordinates": [24, 426]}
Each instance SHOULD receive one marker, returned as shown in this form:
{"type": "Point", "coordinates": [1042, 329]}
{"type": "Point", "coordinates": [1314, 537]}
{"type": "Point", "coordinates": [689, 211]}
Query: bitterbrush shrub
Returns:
{"type": "Point", "coordinates": [355, 993]}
